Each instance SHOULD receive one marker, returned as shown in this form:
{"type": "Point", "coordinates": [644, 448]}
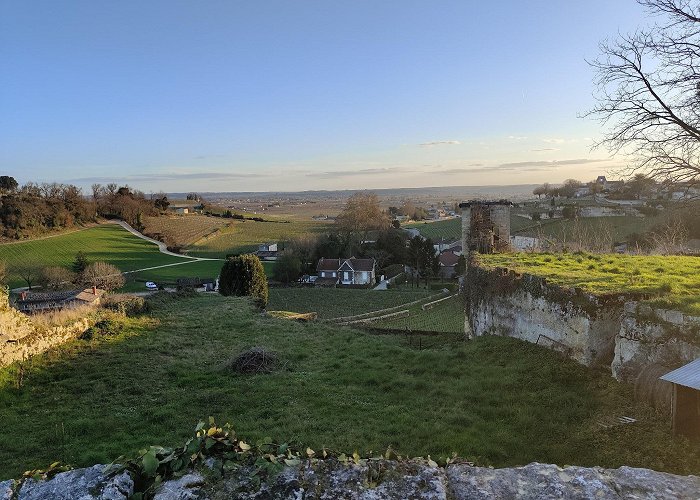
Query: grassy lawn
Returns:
{"type": "Point", "coordinates": [675, 280]}
{"type": "Point", "coordinates": [494, 400]}
{"type": "Point", "coordinates": [338, 302]}
{"type": "Point", "coordinates": [108, 243]}
{"type": "Point", "coordinates": [245, 236]}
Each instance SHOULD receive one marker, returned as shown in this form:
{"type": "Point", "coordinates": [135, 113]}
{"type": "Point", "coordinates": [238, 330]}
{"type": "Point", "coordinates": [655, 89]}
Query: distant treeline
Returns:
{"type": "Point", "coordinates": [34, 209]}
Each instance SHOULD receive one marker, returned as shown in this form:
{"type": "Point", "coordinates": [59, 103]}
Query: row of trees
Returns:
{"type": "Point", "coordinates": [33, 209]}
{"type": "Point", "coordinates": [82, 273]}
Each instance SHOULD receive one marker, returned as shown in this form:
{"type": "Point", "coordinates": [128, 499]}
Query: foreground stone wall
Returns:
{"type": "Point", "coordinates": [21, 339]}
{"type": "Point", "coordinates": [376, 481]}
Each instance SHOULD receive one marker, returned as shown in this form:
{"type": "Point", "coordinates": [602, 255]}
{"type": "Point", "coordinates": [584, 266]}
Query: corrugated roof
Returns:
{"type": "Point", "coordinates": [687, 376]}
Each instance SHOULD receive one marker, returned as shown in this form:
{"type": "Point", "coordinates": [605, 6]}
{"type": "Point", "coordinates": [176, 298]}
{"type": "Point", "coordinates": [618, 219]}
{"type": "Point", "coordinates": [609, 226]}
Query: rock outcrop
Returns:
{"type": "Point", "coordinates": [375, 480]}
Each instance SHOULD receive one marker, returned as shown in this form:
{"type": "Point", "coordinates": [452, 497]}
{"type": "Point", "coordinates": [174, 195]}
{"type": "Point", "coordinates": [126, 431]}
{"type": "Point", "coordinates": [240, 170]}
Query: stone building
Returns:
{"type": "Point", "coordinates": [486, 225]}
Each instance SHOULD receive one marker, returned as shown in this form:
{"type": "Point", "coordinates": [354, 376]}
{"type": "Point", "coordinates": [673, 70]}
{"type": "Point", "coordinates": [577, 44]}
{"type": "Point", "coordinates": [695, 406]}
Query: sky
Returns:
{"type": "Point", "coordinates": [274, 95]}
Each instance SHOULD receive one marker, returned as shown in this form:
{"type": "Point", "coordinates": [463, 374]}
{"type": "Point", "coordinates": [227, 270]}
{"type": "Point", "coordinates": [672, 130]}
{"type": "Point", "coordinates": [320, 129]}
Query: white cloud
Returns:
{"type": "Point", "coordinates": [438, 143]}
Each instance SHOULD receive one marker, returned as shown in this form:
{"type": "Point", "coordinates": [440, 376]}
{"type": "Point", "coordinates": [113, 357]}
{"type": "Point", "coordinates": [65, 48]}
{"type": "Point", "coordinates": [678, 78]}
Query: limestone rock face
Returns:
{"type": "Point", "coordinates": [380, 480]}
{"type": "Point", "coordinates": [79, 484]}
{"type": "Point", "coordinates": [551, 482]}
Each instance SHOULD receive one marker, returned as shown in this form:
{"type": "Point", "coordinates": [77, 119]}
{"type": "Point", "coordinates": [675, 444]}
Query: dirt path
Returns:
{"type": "Point", "coordinates": [162, 247]}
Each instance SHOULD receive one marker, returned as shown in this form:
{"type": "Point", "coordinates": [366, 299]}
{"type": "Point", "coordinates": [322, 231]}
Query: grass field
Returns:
{"type": "Point", "coordinates": [447, 317]}
{"type": "Point", "coordinates": [619, 228]}
{"type": "Point", "coordinates": [674, 280]}
{"type": "Point", "coordinates": [338, 302]}
{"type": "Point", "coordinates": [168, 276]}
{"type": "Point", "coordinates": [108, 243]}
{"type": "Point", "coordinates": [496, 401]}
{"type": "Point", "coordinates": [183, 230]}
{"type": "Point", "coordinates": [245, 236]}
{"type": "Point", "coordinates": [447, 229]}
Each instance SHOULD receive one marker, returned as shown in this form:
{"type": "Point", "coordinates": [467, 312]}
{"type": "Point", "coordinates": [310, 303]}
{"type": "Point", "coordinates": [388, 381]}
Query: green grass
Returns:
{"type": "Point", "coordinates": [494, 400]}
{"type": "Point", "coordinates": [168, 276]}
{"type": "Point", "coordinates": [108, 243]}
{"type": "Point", "coordinates": [447, 317]}
{"type": "Point", "coordinates": [450, 229]}
{"type": "Point", "coordinates": [673, 280]}
{"type": "Point", "coordinates": [245, 236]}
{"type": "Point", "coordinates": [619, 228]}
{"type": "Point", "coordinates": [338, 302]}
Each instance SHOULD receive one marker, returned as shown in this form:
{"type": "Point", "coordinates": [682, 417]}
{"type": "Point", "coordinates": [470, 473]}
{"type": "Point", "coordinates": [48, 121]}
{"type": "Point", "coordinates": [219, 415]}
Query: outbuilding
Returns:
{"type": "Point", "coordinates": [685, 402]}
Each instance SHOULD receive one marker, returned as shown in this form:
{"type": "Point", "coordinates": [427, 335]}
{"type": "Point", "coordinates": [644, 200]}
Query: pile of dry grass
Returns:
{"type": "Point", "coordinates": [255, 360]}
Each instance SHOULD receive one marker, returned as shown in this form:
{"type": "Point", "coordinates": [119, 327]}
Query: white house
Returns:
{"type": "Point", "coordinates": [345, 272]}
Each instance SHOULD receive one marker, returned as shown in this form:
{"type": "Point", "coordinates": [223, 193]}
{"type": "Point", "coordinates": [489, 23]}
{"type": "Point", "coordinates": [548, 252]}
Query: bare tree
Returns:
{"type": "Point", "coordinates": [648, 93]}
{"type": "Point", "coordinates": [102, 275]}
{"type": "Point", "coordinates": [56, 278]}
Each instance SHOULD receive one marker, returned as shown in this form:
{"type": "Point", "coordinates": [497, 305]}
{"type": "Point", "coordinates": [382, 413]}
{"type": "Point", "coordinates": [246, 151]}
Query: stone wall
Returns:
{"type": "Point", "coordinates": [636, 341]}
{"type": "Point", "coordinates": [20, 338]}
{"type": "Point", "coordinates": [651, 336]}
{"type": "Point", "coordinates": [381, 480]}
{"type": "Point", "coordinates": [501, 302]}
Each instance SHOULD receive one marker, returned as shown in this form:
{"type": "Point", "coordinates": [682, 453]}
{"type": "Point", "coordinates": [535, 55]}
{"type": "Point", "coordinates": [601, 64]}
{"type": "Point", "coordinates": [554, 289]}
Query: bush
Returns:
{"type": "Point", "coordinates": [102, 328]}
{"type": "Point", "coordinates": [244, 276]}
{"type": "Point", "coordinates": [255, 360]}
{"type": "Point", "coordinates": [127, 304]}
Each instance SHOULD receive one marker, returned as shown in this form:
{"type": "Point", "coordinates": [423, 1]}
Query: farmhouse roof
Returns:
{"type": "Point", "coordinates": [687, 376]}
{"type": "Point", "coordinates": [448, 258]}
{"type": "Point", "coordinates": [362, 264]}
{"type": "Point", "coordinates": [328, 264]}
{"type": "Point", "coordinates": [351, 264]}
{"type": "Point", "coordinates": [87, 295]}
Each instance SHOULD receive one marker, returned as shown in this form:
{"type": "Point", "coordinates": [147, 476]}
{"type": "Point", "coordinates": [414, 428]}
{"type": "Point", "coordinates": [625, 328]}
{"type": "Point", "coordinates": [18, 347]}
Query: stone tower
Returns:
{"type": "Point", "coordinates": [485, 225]}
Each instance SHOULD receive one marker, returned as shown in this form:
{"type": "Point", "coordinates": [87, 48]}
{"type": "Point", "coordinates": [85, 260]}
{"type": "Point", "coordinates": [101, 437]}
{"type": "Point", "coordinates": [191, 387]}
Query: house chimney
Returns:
{"type": "Point", "coordinates": [94, 290]}
{"type": "Point", "coordinates": [23, 296]}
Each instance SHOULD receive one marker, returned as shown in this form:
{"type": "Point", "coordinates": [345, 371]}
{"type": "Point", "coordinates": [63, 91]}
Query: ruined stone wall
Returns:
{"type": "Point", "coordinates": [636, 341]}
{"type": "Point", "coordinates": [20, 338]}
{"type": "Point", "coordinates": [504, 303]}
{"type": "Point", "coordinates": [652, 336]}
{"type": "Point", "coordinates": [408, 479]}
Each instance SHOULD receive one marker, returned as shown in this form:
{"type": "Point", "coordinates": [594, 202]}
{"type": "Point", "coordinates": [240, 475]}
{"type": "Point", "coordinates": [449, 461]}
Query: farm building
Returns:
{"type": "Point", "coordinates": [267, 251]}
{"type": "Point", "coordinates": [31, 303]}
{"type": "Point", "coordinates": [209, 284]}
{"type": "Point", "coordinates": [345, 272]}
{"type": "Point", "coordinates": [685, 401]}
{"type": "Point", "coordinates": [448, 262]}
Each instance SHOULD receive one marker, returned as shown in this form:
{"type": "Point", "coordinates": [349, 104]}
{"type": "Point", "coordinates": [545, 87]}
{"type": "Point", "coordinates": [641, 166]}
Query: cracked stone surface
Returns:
{"type": "Point", "coordinates": [79, 484]}
{"type": "Point", "coordinates": [380, 480]}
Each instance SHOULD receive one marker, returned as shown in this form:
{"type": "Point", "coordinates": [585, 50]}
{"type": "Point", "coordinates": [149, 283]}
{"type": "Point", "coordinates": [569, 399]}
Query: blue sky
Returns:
{"type": "Point", "coordinates": [279, 95]}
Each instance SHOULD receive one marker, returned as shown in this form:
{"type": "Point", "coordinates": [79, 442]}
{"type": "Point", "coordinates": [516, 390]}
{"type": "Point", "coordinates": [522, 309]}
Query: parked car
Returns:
{"type": "Point", "coordinates": [151, 285]}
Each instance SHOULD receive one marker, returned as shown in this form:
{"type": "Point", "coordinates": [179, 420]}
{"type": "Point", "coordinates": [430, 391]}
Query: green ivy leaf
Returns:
{"type": "Point", "coordinates": [150, 463]}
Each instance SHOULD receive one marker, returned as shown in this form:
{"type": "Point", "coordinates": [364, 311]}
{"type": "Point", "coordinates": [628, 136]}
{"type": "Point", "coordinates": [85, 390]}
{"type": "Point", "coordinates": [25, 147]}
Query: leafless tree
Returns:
{"type": "Point", "coordinates": [102, 275]}
{"type": "Point", "coordinates": [648, 93]}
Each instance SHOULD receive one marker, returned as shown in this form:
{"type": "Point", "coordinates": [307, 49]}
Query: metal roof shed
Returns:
{"type": "Point", "coordinates": [685, 409]}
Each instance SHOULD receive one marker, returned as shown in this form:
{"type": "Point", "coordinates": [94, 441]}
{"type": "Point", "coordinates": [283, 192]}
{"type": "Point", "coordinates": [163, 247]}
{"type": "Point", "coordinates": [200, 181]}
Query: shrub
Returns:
{"type": "Point", "coordinates": [102, 328]}
{"type": "Point", "coordinates": [244, 276]}
{"type": "Point", "coordinates": [127, 304]}
{"type": "Point", "coordinates": [255, 360]}
{"type": "Point", "coordinates": [56, 278]}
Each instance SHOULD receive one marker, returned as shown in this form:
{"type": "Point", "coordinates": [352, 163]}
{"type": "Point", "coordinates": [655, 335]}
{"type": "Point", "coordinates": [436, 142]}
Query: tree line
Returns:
{"type": "Point", "coordinates": [33, 209]}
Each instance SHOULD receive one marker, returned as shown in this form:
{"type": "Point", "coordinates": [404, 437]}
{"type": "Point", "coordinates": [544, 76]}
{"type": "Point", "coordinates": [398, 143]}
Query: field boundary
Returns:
{"type": "Point", "coordinates": [432, 304]}
{"type": "Point", "coordinates": [398, 314]}
{"type": "Point", "coordinates": [344, 319]}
